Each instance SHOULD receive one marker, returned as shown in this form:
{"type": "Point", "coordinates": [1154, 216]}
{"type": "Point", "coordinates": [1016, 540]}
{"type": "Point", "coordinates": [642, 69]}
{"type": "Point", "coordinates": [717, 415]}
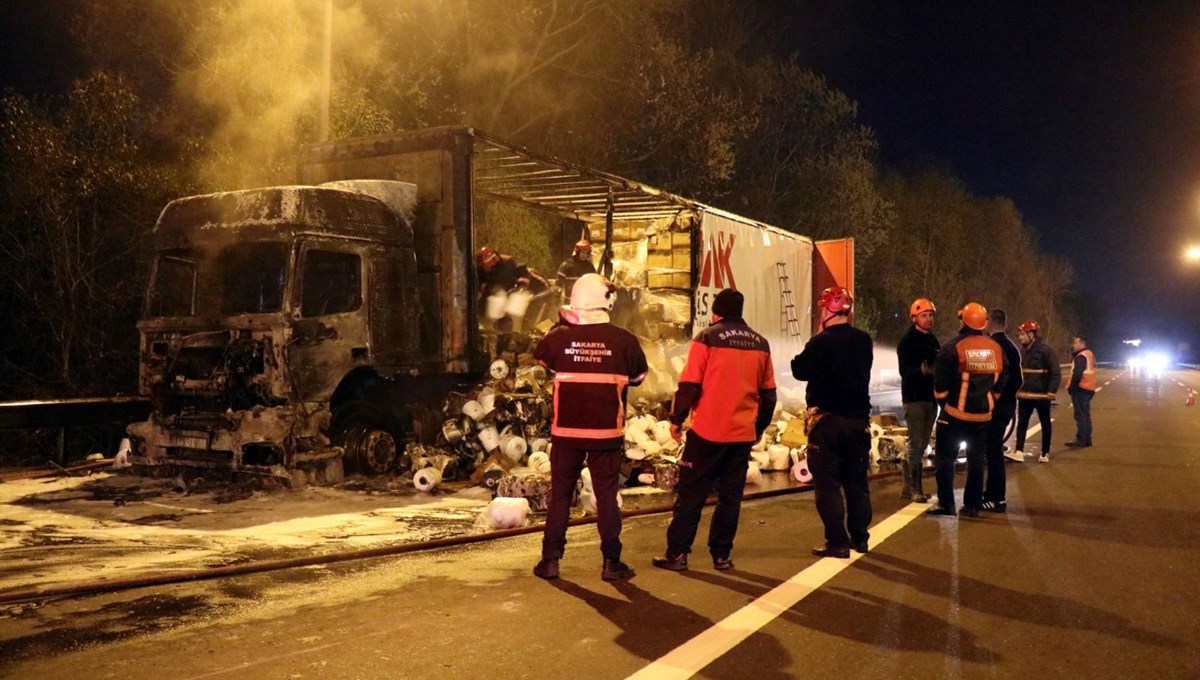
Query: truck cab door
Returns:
{"type": "Point", "coordinates": [330, 329]}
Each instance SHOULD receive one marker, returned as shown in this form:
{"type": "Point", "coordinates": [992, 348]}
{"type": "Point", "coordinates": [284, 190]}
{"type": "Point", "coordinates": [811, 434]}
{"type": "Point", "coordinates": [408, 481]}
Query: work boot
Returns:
{"type": "Point", "coordinates": [969, 512]}
{"type": "Point", "coordinates": [616, 570]}
{"type": "Point", "coordinates": [547, 569]}
{"type": "Point", "coordinates": [860, 546]}
{"type": "Point", "coordinates": [722, 563]}
{"type": "Point", "coordinates": [829, 551]}
{"type": "Point", "coordinates": [671, 562]}
{"type": "Point", "coordinates": [938, 510]}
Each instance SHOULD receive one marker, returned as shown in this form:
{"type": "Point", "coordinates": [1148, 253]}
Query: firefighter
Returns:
{"type": "Point", "coordinates": [513, 283]}
{"type": "Point", "coordinates": [916, 353]}
{"type": "Point", "coordinates": [837, 365]}
{"type": "Point", "coordinates": [1082, 388]}
{"type": "Point", "coordinates": [594, 363]}
{"type": "Point", "coordinates": [1041, 378]}
{"type": "Point", "coordinates": [575, 266]}
{"type": "Point", "coordinates": [728, 387]}
{"type": "Point", "coordinates": [995, 490]}
{"type": "Point", "coordinates": [968, 375]}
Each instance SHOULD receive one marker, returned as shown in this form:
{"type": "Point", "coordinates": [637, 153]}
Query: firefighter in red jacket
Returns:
{"type": "Point", "coordinates": [594, 363]}
{"type": "Point", "coordinates": [728, 387]}
{"type": "Point", "coordinates": [968, 376]}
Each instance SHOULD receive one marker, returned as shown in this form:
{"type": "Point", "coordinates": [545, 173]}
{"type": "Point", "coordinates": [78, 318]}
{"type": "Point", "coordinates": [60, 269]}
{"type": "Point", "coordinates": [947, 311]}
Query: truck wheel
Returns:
{"type": "Point", "coordinates": [361, 428]}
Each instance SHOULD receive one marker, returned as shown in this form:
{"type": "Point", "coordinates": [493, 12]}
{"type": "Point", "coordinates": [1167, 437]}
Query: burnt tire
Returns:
{"type": "Point", "coordinates": [369, 437]}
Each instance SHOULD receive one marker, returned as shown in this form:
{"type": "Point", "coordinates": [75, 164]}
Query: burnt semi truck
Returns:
{"type": "Point", "coordinates": [308, 331]}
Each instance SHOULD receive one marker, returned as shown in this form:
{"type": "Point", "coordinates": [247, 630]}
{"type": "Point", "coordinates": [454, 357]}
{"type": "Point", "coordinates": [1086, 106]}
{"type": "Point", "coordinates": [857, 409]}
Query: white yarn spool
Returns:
{"type": "Point", "coordinates": [635, 454]}
{"type": "Point", "coordinates": [753, 473]}
{"type": "Point", "coordinates": [778, 455]}
{"type": "Point", "coordinates": [646, 478]}
{"type": "Point", "coordinates": [427, 479]}
{"type": "Point", "coordinates": [540, 444]}
{"type": "Point", "coordinates": [640, 437]}
{"type": "Point", "coordinates": [671, 446]}
{"type": "Point", "coordinates": [586, 478]}
{"type": "Point", "coordinates": [662, 431]}
{"type": "Point", "coordinates": [517, 302]}
{"type": "Point", "coordinates": [498, 369]}
{"type": "Point", "coordinates": [489, 438]}
{"type": "Point", "coordinates": [473, 410]}
{"type": "Point", "coordinates": [487, 402]}
{"type": "Point", "coordinates": [513, 446]}
{"type": "Point", "coordinates": [761, 458]}
{"type": "Point", "coordinates": [540, 462]}
{"type": "Point", "coordinates": [652, 448]}
{"type": "Point", "coordinates": [507, 513]}
{"type": "Point", "coordinates": [495, 305]}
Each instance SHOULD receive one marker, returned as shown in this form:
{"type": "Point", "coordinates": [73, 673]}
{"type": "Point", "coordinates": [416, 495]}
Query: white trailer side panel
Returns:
{"type": "Point", "coordinates": [771, 267]}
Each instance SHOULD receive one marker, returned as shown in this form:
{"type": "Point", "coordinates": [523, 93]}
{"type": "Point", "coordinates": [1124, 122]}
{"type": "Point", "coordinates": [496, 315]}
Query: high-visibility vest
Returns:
{"type": "Point", "coordinates": [1088, 380]}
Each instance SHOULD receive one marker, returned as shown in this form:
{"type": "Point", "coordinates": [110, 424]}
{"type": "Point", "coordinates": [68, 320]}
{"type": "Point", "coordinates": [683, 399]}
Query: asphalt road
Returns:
{"type": "Point", "coordinates": [1093, 573]}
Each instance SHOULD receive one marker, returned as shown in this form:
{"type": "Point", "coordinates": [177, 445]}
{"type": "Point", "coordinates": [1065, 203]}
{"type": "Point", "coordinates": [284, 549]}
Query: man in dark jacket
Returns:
{"type": "Point", "coordinates": [1041, 379]}
{"type": "Point", "coordinates": [916, 353]}
{"type": "Point", "coordinates": [837, 365]}
{"type": "Point", "coordinates": [728, 387]}
{"type": "Point", "coordinates": [594, 363]}
{"type": "Point", "coordinates": [575, 266]}
{"type": "Point", "coordinates": [967, 376]}
{"type": "Point", "coordinates": [995, 489]}
{"type": "Point", "coordinates": [1082, 388]}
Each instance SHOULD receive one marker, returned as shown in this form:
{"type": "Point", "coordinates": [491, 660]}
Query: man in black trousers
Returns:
{"type": "Point", "coordinates": [728, 387]}
{"type": "Point", "coordinates": [995, 488]}
{"type": "Point", "coordinates": [837, 365]}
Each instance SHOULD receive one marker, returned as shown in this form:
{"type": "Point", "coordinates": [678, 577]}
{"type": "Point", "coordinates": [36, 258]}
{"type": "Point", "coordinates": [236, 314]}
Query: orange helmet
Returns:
{"type": "Point", "coordinates": [974, 316]}
{"type": "Point", "coordinates": [486, 257]}
{"type": "Point", "coordinates": [920, 305]}
{"type": "Point", "coordinates": [1028, 326]}
{"type": "Point", "coordinates": [836, 299]}
{"type": "Point", "coordinates": [583, 245]}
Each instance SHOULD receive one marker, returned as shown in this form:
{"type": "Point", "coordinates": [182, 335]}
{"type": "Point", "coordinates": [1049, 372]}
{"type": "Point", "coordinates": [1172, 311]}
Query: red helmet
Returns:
{"type": "Point", "coordinates": [836, 299]}
{"type": "Point", "coordinates": [1028, 326]}
{"type": "Point", "coordinates": [920, 305]}
{"type": "Point", "coordinates": [974, 316]}
{"type": "Point", "coordinates": [486, 257]}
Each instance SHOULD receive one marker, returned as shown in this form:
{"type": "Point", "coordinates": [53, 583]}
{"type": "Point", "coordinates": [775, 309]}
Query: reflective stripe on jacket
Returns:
{"type": "Point", "coordinates": [967, 369]}
{"type": "Point", "coordinates": [593, 366]}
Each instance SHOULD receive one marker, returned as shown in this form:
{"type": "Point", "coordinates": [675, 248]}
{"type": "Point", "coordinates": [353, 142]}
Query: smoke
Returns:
{"type": "Point", "coordinates": [257, 75]}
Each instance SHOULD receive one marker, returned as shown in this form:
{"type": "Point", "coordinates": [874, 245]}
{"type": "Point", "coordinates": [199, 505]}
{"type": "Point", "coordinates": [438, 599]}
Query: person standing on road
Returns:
{"type": "Point", "coordinates": [728, 387]}
{"type": "Point", "coordinates": [916, 353]}
{"type": "Point", "coordinates": [967, 375]}
{"type": "Point", "coordinates": [1005, 408]}
{"type": "Point", "coordinates": [1082, 388]}
{"type": "Point", "coordinates": [1041, 377]}
{"type": "Point", "coordinates": [594, 363]}
{"type": "Point", "coordinates": [837, 365]}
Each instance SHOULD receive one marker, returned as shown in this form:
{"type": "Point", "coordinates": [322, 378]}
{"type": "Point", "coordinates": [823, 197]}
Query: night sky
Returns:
{"type": "Point", "coordinates": [1084, 113]}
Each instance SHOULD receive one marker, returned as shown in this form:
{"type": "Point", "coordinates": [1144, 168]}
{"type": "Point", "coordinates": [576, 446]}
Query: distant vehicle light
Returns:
{"type": "Point", "coordinates": [1157, 362]}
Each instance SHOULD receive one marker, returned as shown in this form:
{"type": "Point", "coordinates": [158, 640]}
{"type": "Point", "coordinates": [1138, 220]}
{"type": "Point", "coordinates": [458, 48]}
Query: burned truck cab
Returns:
{"type": "Point", "coordinates": [269, 314]}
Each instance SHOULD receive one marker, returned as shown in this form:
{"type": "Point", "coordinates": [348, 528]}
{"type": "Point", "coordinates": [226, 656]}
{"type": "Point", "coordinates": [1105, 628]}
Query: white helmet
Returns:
{"type": "Point", "coordinates": [592, 292]}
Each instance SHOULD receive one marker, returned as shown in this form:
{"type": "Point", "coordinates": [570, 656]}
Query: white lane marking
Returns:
{"type": "Point", "coordinates": [691, 657]}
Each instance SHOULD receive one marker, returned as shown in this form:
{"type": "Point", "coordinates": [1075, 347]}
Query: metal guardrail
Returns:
{"type": "Point", "coordinates": [22, 415]}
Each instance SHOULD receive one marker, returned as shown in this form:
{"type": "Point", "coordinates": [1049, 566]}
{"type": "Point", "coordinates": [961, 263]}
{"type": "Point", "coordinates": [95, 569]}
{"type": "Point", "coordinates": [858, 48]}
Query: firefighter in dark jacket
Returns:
{"type": "Point", "coordinates": [837, 365]}
{"type": "Point", "coordinates": [1082, 388]}
{"type": "Point", "coordinates": [594, 363]}
{"type": "Point", "coordinates": [995, 489]}
{"type": "Point", "coordinates": [728, 387]}
{"type": "Point", "coordinates": [575, 266]}
{"type": "Point", "coordinates": [915, 354]}
{"type": "Point", "coordinates": [967, 377]}
{"type": "Point", "coordinates": [1042, 377]}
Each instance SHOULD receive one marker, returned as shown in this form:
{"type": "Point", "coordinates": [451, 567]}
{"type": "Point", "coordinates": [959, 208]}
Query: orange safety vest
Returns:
{"type": "Point", "coordinates": [1087, 381]}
